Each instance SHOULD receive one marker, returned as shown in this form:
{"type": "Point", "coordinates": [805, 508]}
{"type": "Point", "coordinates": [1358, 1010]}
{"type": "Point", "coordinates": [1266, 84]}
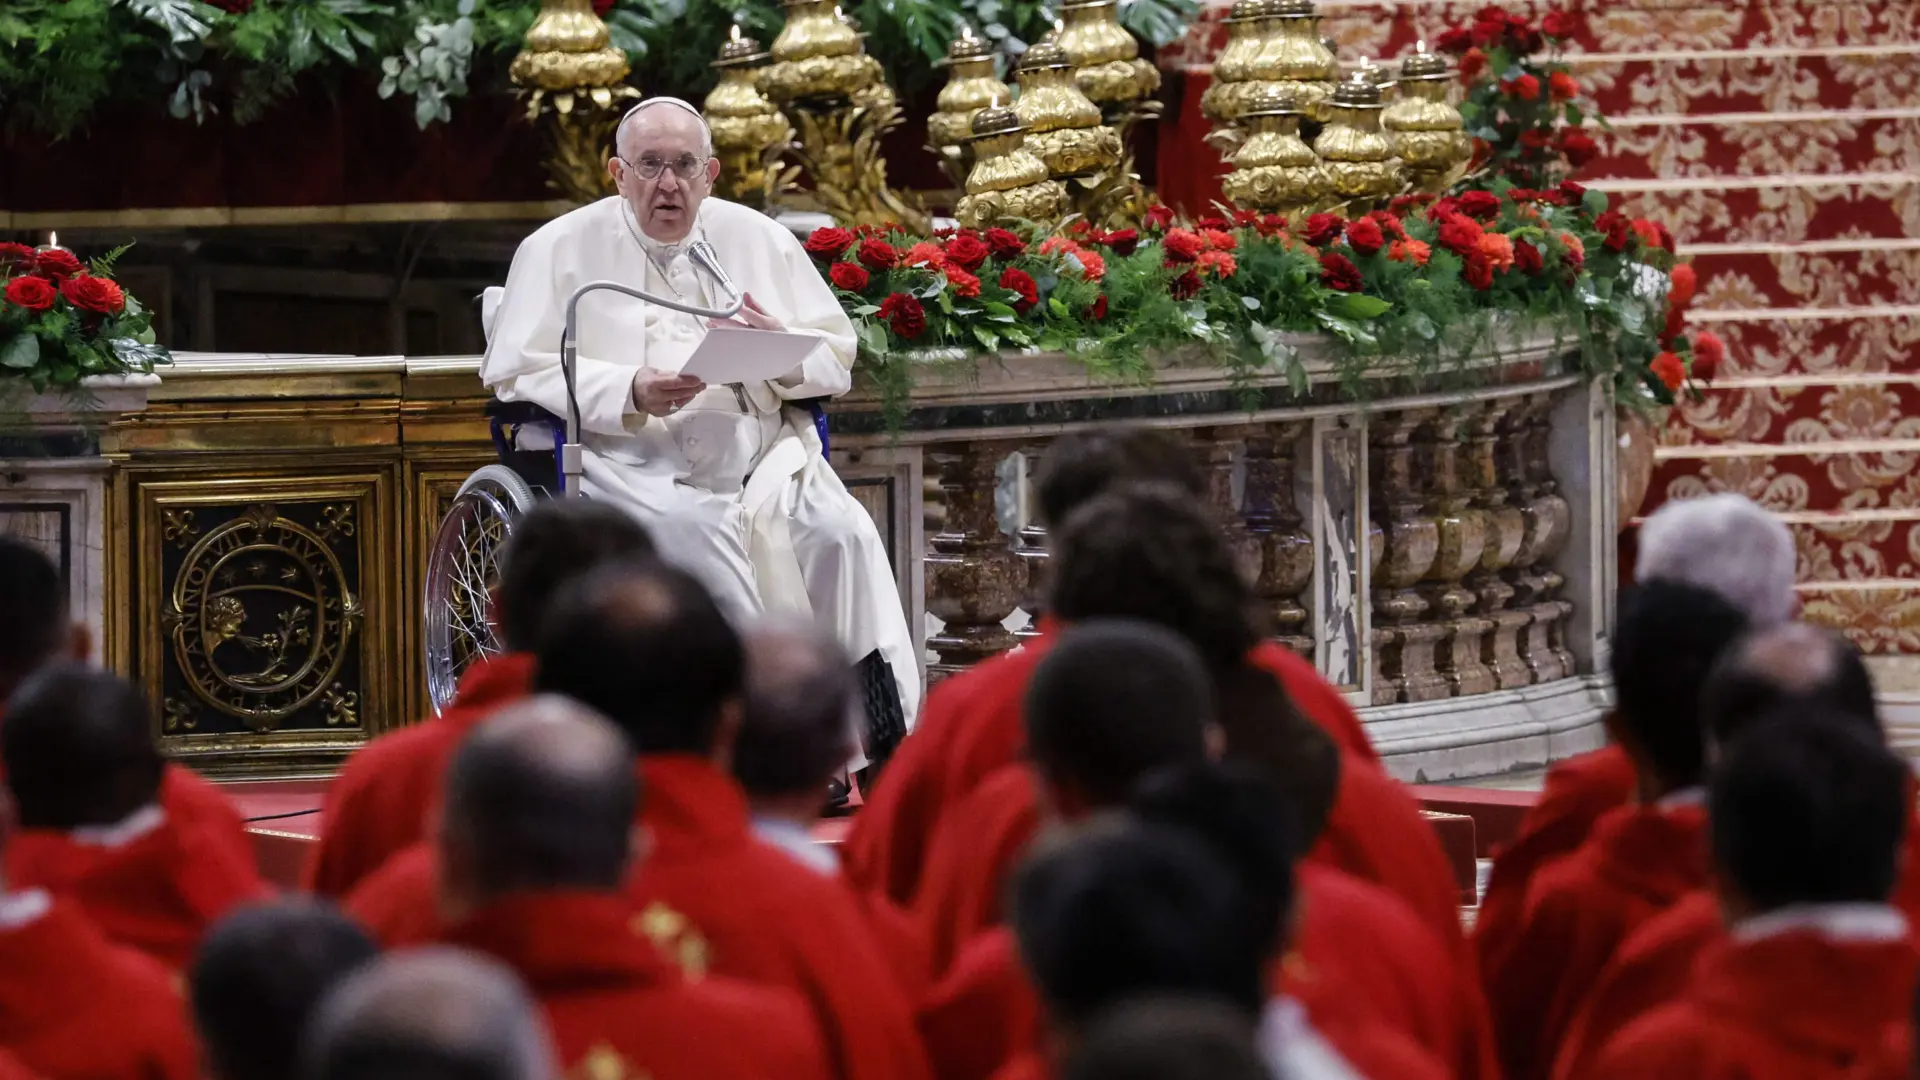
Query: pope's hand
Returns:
{"type": "Point", "coordinates": [658, 393]}
{"type": "Point", "coordinates": [752, 317]}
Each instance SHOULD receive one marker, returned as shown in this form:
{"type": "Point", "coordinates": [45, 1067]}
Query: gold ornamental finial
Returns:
{"type": "Point", "coordinates": [1106, 59]}
{"type": "Point", "coordinates": [972, 85]}
{"type": "Point", "coordinates": [1429, 135]}
{"type": "Point", "coordinates": [573, 82]}
{"type": "Point", "coordinates": [1358, 157]}
{"type": "Point", "coordinates": [1008, 182]}
{"type": "Point", "coordinates": [748, 130]}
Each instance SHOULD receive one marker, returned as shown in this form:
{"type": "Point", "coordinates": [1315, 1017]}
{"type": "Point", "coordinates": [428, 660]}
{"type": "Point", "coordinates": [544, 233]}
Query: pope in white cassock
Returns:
{"type": "Point", "coordinates": [730, 479]}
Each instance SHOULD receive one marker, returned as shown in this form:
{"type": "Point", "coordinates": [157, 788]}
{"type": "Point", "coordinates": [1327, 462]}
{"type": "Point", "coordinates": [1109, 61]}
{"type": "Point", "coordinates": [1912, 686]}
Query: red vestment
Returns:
{"type": "Point", "coordinates": [1891, 1060]}
{"type": "Point", "coordinates": [610, 996]}
{"type": "Point", "coordinates": [973, 855]}
{"type": "Point", "coordinates": [984, 1013]}
{"type": "Point", "coordinates": [1652, 968]}
{"type": "Point", "coordinates": [75, 1007]}
{"type": "Point", "coordinates": [1576, 793]}
{"type": "Point", "coordinates": [1640, 860]}
{"type": "Point", "coordinates": [12, 1068]}
{"type": "Point", "coordinates": [971, 726]}
{"type": "Point", "coordinates": [199, 805]}
{"type": "Point", "coordinates": [1377, 833]}
{"type": "Point", "coordinates": [378, 805]}
{"type": "Point", "coordinates": [157, 892]}
{"type": "Point", "coordinates": [1796, 1005]}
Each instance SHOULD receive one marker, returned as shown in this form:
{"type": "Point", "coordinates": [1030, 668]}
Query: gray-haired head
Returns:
{"type": "Point", "coordinates": [430, 1014]}
{"type": "Point", "coordinates": [646, 109]}
{"type": "Point", "coordinates": [1727, 545]}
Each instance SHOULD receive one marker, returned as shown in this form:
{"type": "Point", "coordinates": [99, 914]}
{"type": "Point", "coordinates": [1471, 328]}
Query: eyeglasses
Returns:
{"type": "Point", "coordinates": [649, 167]}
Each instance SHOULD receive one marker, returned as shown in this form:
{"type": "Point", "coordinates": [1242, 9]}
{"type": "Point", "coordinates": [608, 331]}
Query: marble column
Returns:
{"type": "Point", "coordinates": [1274, 524]}
{"type": "Point", "coordinates": [974, 578]}
{"type": "Point", "coordinates": [1403, 639]}
{"type": "Point", "coordinates": [1214, 450]}
{"type": "Point", "coordinates": [1545, 515]}
{"type": "Point", "coordinates": [1462, 539]}
{"type": "Point", "coordinates": [1030, 543]}
{"type": "Point", "coordinates": [1547, 641]}
{"type": "Point", "coordinates": [1506, 529]}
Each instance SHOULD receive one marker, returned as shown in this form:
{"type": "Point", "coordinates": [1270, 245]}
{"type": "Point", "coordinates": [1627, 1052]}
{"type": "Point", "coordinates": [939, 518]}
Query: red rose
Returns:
{"type": "Point", "coordinates": [904, 314]}
{"type": "Point", "coordinates": [1472, 64]}
{"type": "Point", "coordinates": [1158, 217]}
{"type": "Point", "coordinates": [828, 244]}
{"type": "Point", "coordinates": [1560, 25]}
{"type": "Point", "coordinates": [847, 276]}
{"type": "Point", "coordinates": [1183, 245]}
{"type": "Point", "coordinates": [1685, 282]}
{"type": "Point", "coordinates": [15, 255]}
{"type": "Point", "coordinates": [1478, 271]}
{"type": "Point", "coordinates": [1460, 235]}
{"type": "Point", "coordinates": [1578, 147]}
{"type": "Point", "coordinates": [1389, 223]}
{"type": "Point", "coordinates": [57, 263]}
{"type": "Point", "coordinates": [1616, 228]}
{"type": "Point", "coordinates": [1213, 222]}
{"type": "Point", "coordinates": [1271, 224]}
{"type": "Point", "coordinates": [1670, 370]}
{"type": "Point", "coordinates": [1245, 219]}
{"type": "Point", "coordinates": [967, 252]}
{"type": "Point", "coordinates": [1573, 191]}
{"type": "Point", "coordinates": [1526, 88]}
{"type": "Point", "coordinates": [1526, 258]}
{"type": "Point", "coordinates": [1098, 309]}
{"type": "Point", "coordinates": [1536, 138]}
{"type": "Point", "coordinates": [1021, 282]}
{"type": "Point", "coordinates": [1123, 242]}
{"type": "Point", "coordinates": [1521, 194]}
{"type": "Point", "coordinates": [1004, 244]}
{"type": "Point", "coordinates": [1324, 229]}
{"type": "Point", "coordinates": [1484, 205]}
{"type": "Point", "coordinates": [31, 292]}
{"type": "Point", "coordinates": [1709, 352]}
{"type": "Point", "coordinates": [1186, 285]}
{"type": "Point", "coordinates": [878, 254]}
{"type": "Point", "coordinates": [1337, 272]}
{"type": "Point", "coordinates": [961, 282]}
{"type": "Point", "coordinates": [1488, 32]}
{"type": "Point", "coordinates": [1219, 239]}
{"type": "Point", "coordinates": [1562, 86]}
{"type": "Point", "coordinates": [93, 294]}
{"type": "Point", "coordinates": [1665, 238]}
{"type": "Point", "coordinates": [1453, 41]}
{"type": "Point", "coordinates": [1365, 237]}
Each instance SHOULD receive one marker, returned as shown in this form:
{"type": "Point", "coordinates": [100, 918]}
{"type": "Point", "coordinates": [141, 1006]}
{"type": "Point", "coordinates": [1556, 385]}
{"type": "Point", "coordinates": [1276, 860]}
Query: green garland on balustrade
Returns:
{"type": "Point", "coordinates": [1427, 283]}
{"type": "Point", "coordinates": [61, 60]}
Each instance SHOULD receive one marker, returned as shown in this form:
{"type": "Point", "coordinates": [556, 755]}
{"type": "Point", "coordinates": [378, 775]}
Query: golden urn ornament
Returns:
{"type": "Point", "coordinates": [748, 130]}
{"type": "Point", "coordinates": [971, 86]}
{"type": "Point", "coordinates": [1105, 57]}
{"type": "Point", "coordinates": [1428, 134]}
{"type": "Point", "coordinates": [1247, 21]}
{"type": "Point", "coordinates": [1293, 53]}
{"type": "Point", "coordinates": [1274, 170]}
{"type": "Point", "coordinates": [574, 83]}
{"type": "Point", "coordinates": [1359, 158]}
{"type": "Point", "coordinates": [1008, 181]}
{"type": "Point", "coordinates": [1064, 125]}
{"type": "Point", "coordinates": [817, 55]}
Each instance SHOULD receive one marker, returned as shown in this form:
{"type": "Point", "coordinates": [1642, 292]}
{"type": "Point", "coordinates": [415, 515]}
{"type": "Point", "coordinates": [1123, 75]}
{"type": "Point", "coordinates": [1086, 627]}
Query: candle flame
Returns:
{"type": "Point", "coordinates": [838, 15]}
{"type": "Point", "coordinates": [1420, 46]}
{"type": "Point", "coordinates": [736, 32]}
{"type": "Point", "coordinates": [53, 239]}
{"type": "Point", "coordinates": [966, 32]}
{"type": "Point", "coordinates": [1059, 26]}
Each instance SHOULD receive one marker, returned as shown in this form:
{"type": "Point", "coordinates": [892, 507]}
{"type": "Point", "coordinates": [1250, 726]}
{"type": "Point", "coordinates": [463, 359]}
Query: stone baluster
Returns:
{"type": "Point", "coordinates": [1031, 545]}
{"type": "Point", "coordinates": [1214, 449]}
{"type": "Point", "coordinates": [1506, 529]}
{"type": "Point", "coordinates": [1518, 447]}
{"type": "Point", "coordinates": [1403, 644]}
{"type": "Point", "coordinates": [1462, 533]}
{"type": "Point", "coordinates": [1547, 649]}
{"type": "Point", "coordinates": [1275, 525]}
{"type": "Point", "coordinates": [974, 578]}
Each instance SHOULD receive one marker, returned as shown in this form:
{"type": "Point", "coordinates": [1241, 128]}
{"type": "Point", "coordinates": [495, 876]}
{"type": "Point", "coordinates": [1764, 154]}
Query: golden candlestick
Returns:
{"type": "Point", "coordinates": [1247, 22]}
{"type": "Point", "coordinates": [749, 131]}
{"type": "Point", "coordinates": [1106, 59]}
{"type": "Point", "coordinates": [816, 55]}
{"type": "Point", "coordinates": [573, 82]}
{"type": "Point", "coordinates": [1293, 53]}
{"type": "Point", "coordinates": [1428, 133]}
{"type": "Point", "coordinates": [1008, 181]}
{"type": "Point", "coordinates": [972, 85]}
{"type": "Point", "coordinates": [1275, 170]}
{"type": "Point", "coordinates": [1064, 124]}
{"type": "Point", "coordinates": [1359, 158]}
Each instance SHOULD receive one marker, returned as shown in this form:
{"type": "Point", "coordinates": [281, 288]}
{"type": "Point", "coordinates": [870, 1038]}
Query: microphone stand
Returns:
{"type": "Point", "coordinates": [572, 459]}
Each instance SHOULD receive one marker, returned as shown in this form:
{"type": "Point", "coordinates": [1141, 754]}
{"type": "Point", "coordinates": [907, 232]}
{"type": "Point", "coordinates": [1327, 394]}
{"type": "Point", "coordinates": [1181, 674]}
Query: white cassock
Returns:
{"type": "Point", "coordinates": [733, 487]}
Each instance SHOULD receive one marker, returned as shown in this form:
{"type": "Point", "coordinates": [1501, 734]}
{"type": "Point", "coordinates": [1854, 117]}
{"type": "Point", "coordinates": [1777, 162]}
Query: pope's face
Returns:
{"type": "Point", "coordinates": [669, 143]}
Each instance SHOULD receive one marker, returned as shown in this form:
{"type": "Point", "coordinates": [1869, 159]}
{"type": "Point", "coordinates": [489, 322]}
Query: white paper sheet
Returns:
{"type": "Point", "coordinates": [730, 355]}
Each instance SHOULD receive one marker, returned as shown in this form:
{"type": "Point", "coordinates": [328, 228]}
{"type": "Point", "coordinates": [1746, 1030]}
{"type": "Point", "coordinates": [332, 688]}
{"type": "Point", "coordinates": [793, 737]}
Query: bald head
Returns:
{"type": "Point", "coordinates": [1792, 667]}
{"type": "Point", "coordinates": [1729, 546]}
{"type": "Point", "coordinates": [796, 730]}
{"type": "Point", "coordinates": [429, 1014]}
{"type": "Point", "coordinates": [542, 796]}
{"type": "Point", "coordinates": [78, 748]}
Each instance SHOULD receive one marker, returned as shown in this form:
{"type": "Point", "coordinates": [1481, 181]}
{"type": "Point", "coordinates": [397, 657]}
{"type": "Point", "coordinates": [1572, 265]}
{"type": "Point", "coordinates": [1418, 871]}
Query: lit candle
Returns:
{"type": "Point", "coordinates": [53, 243]}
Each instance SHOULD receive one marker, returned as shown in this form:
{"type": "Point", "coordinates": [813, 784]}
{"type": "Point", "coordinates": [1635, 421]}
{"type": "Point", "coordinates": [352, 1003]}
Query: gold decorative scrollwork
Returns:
{"type": "Point", "coordinates": [676, 937]}
{"type": "Point", "coordinates": [179, 716]}
{"type": "Point", "coordinates": [603, 1062]}
{"type": "Point", "coordinates": [179, 526]}
{"type": "Point", "coordinates": [260, 616]}
{"type": "Point", "coordinates": [336, 522]}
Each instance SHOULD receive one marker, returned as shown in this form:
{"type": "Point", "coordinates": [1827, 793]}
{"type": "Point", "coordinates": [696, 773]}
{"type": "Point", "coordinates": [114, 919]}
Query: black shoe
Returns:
{"type": "Point", "coordinates": [886, 717]}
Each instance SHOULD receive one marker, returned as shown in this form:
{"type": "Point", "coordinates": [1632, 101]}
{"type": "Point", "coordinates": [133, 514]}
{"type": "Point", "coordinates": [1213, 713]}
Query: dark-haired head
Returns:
{"type": "Point", "coordinates": [1806, 808]}
{"type": "Point", "coordinates": [645, 645]}
{"type": "Point", "coordinates": [428, 1014]}
{"type": "Point", "coordinates": [557, 540]}
{"type": "Point", "coordinates": [36, 629]}
{"type": "Point", "coordinates": [1668, 639]}
{"type": "Point", "coordinates": [541, 796]}
{"type": "Point", "coordinates": [78, 749]}
{"type": "Point", "coordinates": [1111, 701]}
{"type": "Point", "coordinates": [259, 975]}
{"type": "Point", "coordinates": [802, 710]}
{"type": "Point", "coordinates": [1169, 1038]}
{"type": "Point", "coordinates": [1083, 464]}
{"type": "Point", "coordinates": [1792, 666]}
{"type": "Point", "coordinates": [1115, 910]}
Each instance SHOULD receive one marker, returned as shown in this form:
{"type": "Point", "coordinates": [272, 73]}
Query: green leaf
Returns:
{"type": "Point", "coordinates": [866, 309]}
{"type": "Point", "coordinates": [183, 20]}
{"type": "Point", "coordinates": [21, 352]}
{"type": "Point", "coordinates": [1594, 202]}
{"type": "Point", "coordinates": [1347, 329]}
{"type": "Point", "coordinates": [988, 340]}
{"type": "Point", "coordinates": [1574, 116]}
{"type": "Point", "coordinates": [997, 310]}
{"type": "Point", "coordinates": [1251, 303]}
{"type": "Point", "coordinates": [874, 339]}
{"type": "Point", "coordinates": [1357, 306]}
{"type": "Point", "coordinates": [1054, 305]}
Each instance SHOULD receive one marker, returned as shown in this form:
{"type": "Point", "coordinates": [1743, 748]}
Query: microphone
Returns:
{"type": "Point", "coordinates": [700, 251]}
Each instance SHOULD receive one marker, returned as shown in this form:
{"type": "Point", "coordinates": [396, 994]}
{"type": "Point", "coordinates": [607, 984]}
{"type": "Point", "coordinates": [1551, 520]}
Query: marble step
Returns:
{"type": "Point", "coordinates": [1775, 209]}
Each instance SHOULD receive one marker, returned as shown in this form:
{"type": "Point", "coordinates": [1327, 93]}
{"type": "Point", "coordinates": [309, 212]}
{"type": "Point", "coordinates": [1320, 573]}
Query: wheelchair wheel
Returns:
{"type": "Point", "coordinates": [462, 564]}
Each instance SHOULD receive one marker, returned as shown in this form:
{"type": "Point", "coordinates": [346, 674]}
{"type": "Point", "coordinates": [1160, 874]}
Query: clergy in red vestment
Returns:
{"type": "Point", "coordinates": [258, 978]}
{"type": "Point", "coordinates": [427, 1013]}
{"type": "Point", "coordinates": [1642, 857]}
{"type": "Point", "coordinates": [87, 778]}
{"type": "Point", "coordinates": [378, 804]}
{"type": "Point", "coordinates": [1817, 968]}
{"type": "Point", "coordinates": [1725, 544]}
{"type": "Point", "coordinates": [535, 839]}
{"type": "Point", "coordinates": [72, 1004]}
{"type": "Point", "coordinates": [1790, 668]}
{"type": "Point", "coordinates": [970, 726]}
